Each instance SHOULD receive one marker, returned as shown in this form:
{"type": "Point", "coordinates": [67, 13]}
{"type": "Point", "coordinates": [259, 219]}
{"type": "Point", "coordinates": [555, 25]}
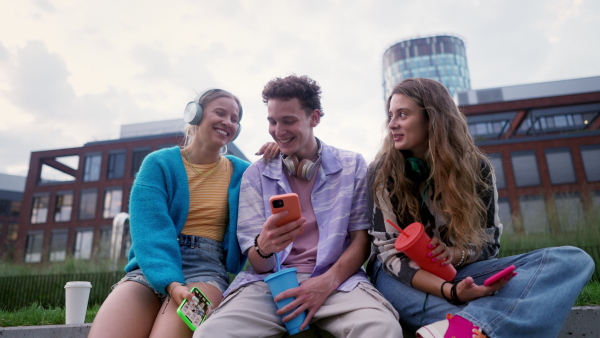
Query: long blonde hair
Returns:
{"type": "Point", "coordinates": [455, 167]}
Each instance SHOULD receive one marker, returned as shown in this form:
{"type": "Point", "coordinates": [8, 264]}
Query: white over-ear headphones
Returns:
{"type": "Point", "coordinates": [304, 169]}
{"type": "Point", "coordinates": [193, 110]}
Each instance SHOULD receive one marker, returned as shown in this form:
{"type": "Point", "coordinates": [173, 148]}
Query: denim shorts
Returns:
{"type": "Point", "coordinates": [203, 260]}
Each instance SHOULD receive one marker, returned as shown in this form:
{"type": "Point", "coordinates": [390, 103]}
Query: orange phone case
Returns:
{"type": "Point", "coordinates": [289, 202]}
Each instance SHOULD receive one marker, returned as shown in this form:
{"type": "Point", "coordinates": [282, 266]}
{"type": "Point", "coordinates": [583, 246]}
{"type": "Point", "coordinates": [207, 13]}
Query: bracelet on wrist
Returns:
{"type": "Point", "coordinates": [443, 294]}
{"type": "Point", "coordinates": [454, 300]}
{"type": "Point", "coordinates": [462, 258]}
{"type": "Point", "coordinates": [171, 288]}
{"type": "Point", "coordinates": [454, 296]}
{"type": "Point", "coordinates": [258, 250]}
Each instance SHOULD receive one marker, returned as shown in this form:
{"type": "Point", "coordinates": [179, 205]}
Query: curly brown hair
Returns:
{"type": "Point", "coordinates": [455, 166]}
{"type": "Point", "coordinates": [303, 88]}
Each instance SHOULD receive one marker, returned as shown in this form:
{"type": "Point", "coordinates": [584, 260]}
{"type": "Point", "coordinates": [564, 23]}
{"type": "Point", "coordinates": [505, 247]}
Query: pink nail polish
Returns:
{"type": "Point", "coordinates": [429, 254]}
{"type": "Point", "coordinates": [434, 260]}
{"type": "Point", "coordinates": [430, 246]}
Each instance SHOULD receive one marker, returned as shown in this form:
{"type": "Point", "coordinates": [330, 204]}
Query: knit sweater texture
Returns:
{"type": "Point", "coordinates": [159, 205]}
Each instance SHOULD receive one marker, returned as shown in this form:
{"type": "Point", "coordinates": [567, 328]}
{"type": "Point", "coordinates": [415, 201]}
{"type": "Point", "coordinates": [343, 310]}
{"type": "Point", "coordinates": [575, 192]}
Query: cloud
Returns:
{"type": "Point", "coordinates": [39, 81]}
{"type": "Point", "coordinates": [3, 53]}
{"type": "Point", "coordinates": [44, 5]}
{"type": "Point", "coordinates": [72, 72]}
{"type": "Point", "coordinates": [47, 114]}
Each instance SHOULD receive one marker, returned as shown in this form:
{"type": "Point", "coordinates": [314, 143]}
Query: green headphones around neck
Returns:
{"type": "Point", "coordinates": [416, 170]}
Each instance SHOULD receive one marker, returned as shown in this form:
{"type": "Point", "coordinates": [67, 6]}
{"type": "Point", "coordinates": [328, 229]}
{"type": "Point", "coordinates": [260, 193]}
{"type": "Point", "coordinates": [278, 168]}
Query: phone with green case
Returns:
{"type": "Point", "coordinates": [194, 315]}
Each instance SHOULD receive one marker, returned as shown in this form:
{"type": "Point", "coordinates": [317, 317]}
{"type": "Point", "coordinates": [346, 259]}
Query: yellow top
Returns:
{"type": "Point", "coordinates": [208, 214]}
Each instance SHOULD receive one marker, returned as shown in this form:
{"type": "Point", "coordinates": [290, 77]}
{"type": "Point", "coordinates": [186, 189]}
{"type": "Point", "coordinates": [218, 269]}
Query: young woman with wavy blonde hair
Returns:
{"type": "Point", "coordinates": [429, 170]}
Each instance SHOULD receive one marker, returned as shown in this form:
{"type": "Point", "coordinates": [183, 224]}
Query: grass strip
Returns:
{"type": "Point", "coordinates": [38, 315]}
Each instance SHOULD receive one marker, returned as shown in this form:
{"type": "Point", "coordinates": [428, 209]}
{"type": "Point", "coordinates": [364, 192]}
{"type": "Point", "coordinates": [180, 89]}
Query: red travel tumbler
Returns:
{"type": "Point", "coordinates": [413, 241]}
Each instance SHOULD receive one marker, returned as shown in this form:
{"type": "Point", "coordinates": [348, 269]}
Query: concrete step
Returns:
{"type": "Point", "coordinates": [584, 321]}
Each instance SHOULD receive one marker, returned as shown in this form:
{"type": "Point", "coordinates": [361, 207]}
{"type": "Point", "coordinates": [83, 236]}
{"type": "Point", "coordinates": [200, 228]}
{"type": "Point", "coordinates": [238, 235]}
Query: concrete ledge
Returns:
{"type": "Point", "coordinates": [583, 321]}
{"type": "Point", "coordinates": [46, 331]}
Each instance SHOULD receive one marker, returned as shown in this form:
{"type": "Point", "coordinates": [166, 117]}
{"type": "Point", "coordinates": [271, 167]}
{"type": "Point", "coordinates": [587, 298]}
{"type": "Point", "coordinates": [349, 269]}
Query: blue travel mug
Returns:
{"type": "Point", "coordinates": [279, 282]}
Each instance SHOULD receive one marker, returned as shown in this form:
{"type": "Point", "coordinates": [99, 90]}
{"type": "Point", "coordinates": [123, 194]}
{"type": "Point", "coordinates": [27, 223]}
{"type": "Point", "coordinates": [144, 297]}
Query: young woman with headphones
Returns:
{"type": "Point", "coordinates": [430, 171]}
{"type": "Point", "coordinates": [183, 223]}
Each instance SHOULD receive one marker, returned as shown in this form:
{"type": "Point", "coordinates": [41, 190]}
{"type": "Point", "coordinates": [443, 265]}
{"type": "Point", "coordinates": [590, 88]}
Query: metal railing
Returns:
{"type": "Point", "coordinates": [17, 292]}
{"type": "Point", "coordinates": [48, 291]}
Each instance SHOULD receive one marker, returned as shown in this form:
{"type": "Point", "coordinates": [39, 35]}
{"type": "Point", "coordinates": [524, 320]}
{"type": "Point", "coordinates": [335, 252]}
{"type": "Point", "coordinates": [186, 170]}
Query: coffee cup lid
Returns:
{"type": "Point", "coordinates": [78, 284]}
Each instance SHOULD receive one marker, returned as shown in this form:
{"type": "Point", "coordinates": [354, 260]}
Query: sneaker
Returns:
{"type": "Point", "coordinates": [451, 327]}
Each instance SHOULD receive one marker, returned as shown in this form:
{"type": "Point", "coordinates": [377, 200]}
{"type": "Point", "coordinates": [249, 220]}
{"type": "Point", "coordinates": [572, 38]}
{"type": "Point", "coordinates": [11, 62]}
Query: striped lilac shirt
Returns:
{"type": "Point", "coordinates": [339, 203]}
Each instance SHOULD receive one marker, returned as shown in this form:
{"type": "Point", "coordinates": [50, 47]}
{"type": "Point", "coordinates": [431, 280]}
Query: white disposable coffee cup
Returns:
{"type": "Point", "coordinates": [77, 295]}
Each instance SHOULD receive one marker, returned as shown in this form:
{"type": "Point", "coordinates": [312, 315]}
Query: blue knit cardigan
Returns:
{"type": "Point", "coordinates": [158, 207]}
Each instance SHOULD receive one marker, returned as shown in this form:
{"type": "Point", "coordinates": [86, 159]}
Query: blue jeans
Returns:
{"type": "Point", "coordinates": [535, 303]}
{"type": "Point", "coordinates": [203, 260]}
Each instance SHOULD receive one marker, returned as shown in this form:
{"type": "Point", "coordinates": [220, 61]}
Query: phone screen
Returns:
{"type": "Point", "coordinates": [194, 315]}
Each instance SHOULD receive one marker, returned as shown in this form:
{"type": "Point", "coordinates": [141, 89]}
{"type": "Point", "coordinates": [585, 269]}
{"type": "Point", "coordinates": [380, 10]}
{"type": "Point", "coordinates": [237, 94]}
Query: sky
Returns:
{"type": "Point", "coordinates": [74, 71]}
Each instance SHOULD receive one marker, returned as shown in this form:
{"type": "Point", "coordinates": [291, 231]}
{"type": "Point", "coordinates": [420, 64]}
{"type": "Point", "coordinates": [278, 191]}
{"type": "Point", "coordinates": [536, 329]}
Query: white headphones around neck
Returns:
{"type": "Point", "coordinates": [304, 169]}
{"type": "Point", "coordinates": [193, 111]}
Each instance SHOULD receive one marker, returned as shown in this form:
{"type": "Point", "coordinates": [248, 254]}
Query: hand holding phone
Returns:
{"type": "Point", "coordinates": [194, 314]}
{"type": "Point", "coordinates": [507, 271]}
{"type": "Point", "coordinates": [289, 202]}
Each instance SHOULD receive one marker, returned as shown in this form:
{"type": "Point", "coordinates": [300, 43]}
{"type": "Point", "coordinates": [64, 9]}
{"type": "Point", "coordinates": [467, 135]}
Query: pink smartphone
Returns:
{"type": "Point", "coordinates": [499, 275]}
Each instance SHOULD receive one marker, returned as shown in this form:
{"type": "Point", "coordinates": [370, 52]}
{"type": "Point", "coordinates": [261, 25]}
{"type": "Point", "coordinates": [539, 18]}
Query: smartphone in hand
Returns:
{"type": "Point", "coordinates": [499, 275]}
{"type": "Point", "coordinates": [194, 315]}
{"type": "Point", "coordinates": [289, 202]}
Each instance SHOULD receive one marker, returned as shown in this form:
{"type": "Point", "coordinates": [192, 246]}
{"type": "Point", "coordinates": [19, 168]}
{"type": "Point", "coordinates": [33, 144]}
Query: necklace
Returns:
{"type": "Point", "coordinates": [187, 155]}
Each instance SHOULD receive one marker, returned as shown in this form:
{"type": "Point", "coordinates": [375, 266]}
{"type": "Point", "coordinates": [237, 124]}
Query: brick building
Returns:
{"type": "Point", "coordinates": [543, 140]}
{"type": "Point", "coordinates": [72, 195]}
{"type": "Point", "coordinates": [11, 195]}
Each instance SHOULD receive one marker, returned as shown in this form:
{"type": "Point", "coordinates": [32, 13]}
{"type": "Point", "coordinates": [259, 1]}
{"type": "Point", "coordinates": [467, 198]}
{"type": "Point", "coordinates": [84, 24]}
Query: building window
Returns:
{"type": "Point", "coordinates": [33, 247]}
{"type": "Point", "coordinates": [91, 171]}
{"type": "Point", "coordinates": [560, 166]}
{"type": "Point", "coordinates": [505, 215]}
{"type": "Point", "coordinates": [591, 162]}
{"type": "Point", "coordinates": [39, 208]}
{"type": "Point", "coordinates": [12, 231]}
{"type": "Point", "coordinates": [58, 245]}
{"type": "Point", "coordinates": [116, 164]}
{"type": "Point", "coordinates": [569, 211]}
{"type": "Point", "coordinates": [15, 208]}
{"type": "Point", "coordinates": [105, 242]}
{"type": "Point", "coordinates": [63, 206]}
{"type": "Point", "coordinates": [557, 119]}
{"type": "Point", "coordinates": [493, 129]}
{"type": "Point", "coordinates": [83, 244]}
{"type": "Point", "coordinates": [4, 207]}
{"type": "Point", "coordinates": [137, 158]}
{"type": "Point", "coordinates": [596, 200]}
{"type": "Point", "coordinates": [525, 169]}
{"type": "Point", "coordinates": [87, 204]}
{"type": "Point", "coordinates": [112, 202]}
{"type": "Point", "coordinates": [533, 213]}
{"type": "Point", "coordinates": [496, 162]}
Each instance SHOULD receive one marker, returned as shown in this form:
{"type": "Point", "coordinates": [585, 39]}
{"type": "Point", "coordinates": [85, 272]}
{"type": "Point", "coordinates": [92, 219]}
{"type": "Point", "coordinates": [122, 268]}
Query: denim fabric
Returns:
{"type": "Point", "coordinates": [202, 261]}
{"type": "Point", "coordinates": [535, 303]}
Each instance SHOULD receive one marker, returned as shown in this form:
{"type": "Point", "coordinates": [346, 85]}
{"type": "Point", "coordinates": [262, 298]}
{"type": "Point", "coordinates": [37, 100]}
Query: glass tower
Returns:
{"type": "Point", "coordinates": [441, 58]}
